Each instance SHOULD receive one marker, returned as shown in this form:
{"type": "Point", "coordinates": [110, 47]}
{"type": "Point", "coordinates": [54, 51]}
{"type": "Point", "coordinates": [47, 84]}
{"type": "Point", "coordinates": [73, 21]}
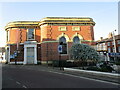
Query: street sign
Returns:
{"type": "Point", "coordinates": [114, 54]}
{"type": "Point", "coordinates": [59, 48]}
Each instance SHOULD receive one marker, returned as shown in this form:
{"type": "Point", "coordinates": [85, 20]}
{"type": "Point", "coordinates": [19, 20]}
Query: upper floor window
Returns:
{"type": "Point", "coordinates": [30, 34]}
{"type": "Point", "coordinates": [98, 46]}
{"type": "Point", "coordinates": [104, 46]}
{"type": "Point", "coordinates": [108, 43]}
{"type": "Point", "coordinates": [75, 28]}
{"type": "Point", "coordinates": [62, 28]}
{"type": "Point", "coordinates": [109, 50]}
{"type": "Point", "coordinates": [118, 41]}
{"type": "Point", "coordinates": [112, 42]}
{"type": "Point", "coordinates": [76, 39]}
{"type": "Point", "coordinates": [113, 49]}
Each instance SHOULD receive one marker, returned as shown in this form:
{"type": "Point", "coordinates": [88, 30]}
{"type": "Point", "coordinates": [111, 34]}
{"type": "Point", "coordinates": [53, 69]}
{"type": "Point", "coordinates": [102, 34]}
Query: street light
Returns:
{"type": "Point", "coordinates": [115, 51]}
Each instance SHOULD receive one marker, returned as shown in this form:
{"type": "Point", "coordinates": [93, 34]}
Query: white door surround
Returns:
{"type": "Point", "coordinates": [30, 44]}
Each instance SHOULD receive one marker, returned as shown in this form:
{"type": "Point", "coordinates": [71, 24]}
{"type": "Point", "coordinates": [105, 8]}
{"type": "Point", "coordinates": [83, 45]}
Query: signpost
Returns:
{"type": "Point", "coordinates": [59, 48]}
{"type": "Point", "coordinates": [60, 51]}
{"type": "Point", "coordinates": [15, 55]}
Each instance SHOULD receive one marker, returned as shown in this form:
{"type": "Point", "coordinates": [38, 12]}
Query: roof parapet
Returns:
{"type": "Point", "coordinates": [21, 23]}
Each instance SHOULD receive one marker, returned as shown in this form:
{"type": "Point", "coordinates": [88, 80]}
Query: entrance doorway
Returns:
{"type": "Point", "coordinates": [30, 52]}
{"type": "Point", "coordinates": [30, 55]}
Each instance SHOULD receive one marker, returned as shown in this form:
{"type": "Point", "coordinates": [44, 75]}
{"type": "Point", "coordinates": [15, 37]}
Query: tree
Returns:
{"type": "Point", "coordinates": [83, 52]}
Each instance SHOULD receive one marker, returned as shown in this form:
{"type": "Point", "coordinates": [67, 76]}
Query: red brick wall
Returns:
{"type": "Point", "coordinates": [21, 36]}
{"type": "Point", "coordinates": [37, 35]}
{"type": "Point", "coordinates": [20, 56]}
{"type": "Point", "coordinates": [49, 51]}
{"type": "Point", "coordinates": [86, 32]}
{"type": "Point", "coordinates": [39, 52]}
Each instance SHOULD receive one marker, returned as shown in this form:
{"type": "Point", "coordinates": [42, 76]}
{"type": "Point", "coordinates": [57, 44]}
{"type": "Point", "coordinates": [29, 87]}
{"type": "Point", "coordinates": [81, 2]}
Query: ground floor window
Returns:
{"type": "Point", "coordinates": [62, 41]}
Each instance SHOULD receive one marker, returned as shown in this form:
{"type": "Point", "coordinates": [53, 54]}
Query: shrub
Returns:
{"type": "Point", "coordinates": [93, 68]}
{"type": "Point", "coordinates": [117, 63]}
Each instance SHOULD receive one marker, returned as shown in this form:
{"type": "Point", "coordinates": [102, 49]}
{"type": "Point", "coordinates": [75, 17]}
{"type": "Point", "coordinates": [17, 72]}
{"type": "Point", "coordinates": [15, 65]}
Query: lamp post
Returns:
{"type": "Point", "coordinates": [115, 51]}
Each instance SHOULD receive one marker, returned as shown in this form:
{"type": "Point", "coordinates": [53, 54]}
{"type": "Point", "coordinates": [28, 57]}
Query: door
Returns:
{"type": "Point", "coordinates": [30, 55]}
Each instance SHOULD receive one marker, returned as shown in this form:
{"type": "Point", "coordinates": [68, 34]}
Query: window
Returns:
{"type": "Point", "coordinates": [118, 41]}
{"type": "Point", "coordinates": [109, 50]}
{"type": "Point", "coordinates": [104, 46]}
{"type": "Point", "coordinates": [101, 46]}
{"type": "Point", "coordinates": [75, 28]}
{"type": "Point", "coordinates": [30, 35]}
{"type": "Point", "coordinates": [62, 41]}
{"type": "Point", "coordinates": [113, 49]}
{"type": "Point", "coordinates": [76, 39]}
{"type": "Point", "coordinates": [112, 42]}
{"type": "Point", "coordinates": [98, 46]}
{"type": "Point", "coordinates": [61, 28]}
{"type": "Point", "coordinates": [108, 43]}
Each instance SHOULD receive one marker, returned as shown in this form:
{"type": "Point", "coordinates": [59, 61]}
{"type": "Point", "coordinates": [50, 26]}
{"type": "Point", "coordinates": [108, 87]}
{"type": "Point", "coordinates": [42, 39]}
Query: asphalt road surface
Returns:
{"type": "Point", "coordinates": [28, 77]}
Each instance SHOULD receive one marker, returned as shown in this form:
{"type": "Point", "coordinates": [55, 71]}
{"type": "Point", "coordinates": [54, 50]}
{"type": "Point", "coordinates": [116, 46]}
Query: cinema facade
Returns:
{"type": "Point", "coordinates": [33, 42]}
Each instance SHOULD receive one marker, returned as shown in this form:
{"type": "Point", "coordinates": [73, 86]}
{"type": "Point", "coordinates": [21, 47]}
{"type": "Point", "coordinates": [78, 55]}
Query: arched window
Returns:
{"type": "Point", "coordinates": [62, 41]}
{"type": "Point", "coordinates": [76, 39]}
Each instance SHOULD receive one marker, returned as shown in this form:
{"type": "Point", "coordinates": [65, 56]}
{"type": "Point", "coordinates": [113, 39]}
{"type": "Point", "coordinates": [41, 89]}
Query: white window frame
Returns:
{"type": "Point", "coordinates": [62, 28]}
{"type": "Point", "coordinates": [75, 28]}
{"type": "Point", "coordinates": [28, 33]}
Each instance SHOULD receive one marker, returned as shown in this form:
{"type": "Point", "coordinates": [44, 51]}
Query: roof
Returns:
{"type": "Point", "coordinates": [67, 20]}
{"type": "Point", "coordinates": [47, 20]}
{"type": "Point", "coordinates": [21, 23]}
{"type": "Point", "coordinates": [117, 37]}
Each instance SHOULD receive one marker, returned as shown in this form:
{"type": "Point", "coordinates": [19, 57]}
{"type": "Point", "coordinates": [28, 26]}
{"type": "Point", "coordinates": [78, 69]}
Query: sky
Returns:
{"type": "Point", "coordinates": [104, 14]}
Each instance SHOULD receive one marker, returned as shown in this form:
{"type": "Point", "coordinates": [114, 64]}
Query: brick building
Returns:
{"type": "Point", "coordinates": [31, 42]}
{"type": "Point", "coordinates": [106, 48]}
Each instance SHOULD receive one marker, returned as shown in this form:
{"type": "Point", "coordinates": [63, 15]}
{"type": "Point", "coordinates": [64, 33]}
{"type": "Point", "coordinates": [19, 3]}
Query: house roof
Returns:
{"type": "Point", "coordinates": [117, 37]}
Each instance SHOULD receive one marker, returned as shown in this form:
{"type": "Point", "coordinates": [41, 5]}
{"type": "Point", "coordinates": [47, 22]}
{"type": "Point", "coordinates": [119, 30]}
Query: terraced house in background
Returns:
{"type": "Point", "coordinates": [32, 42]}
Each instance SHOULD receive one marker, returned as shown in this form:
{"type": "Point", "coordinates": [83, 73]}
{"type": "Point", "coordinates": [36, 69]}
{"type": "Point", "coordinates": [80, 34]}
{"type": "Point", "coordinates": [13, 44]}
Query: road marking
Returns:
{"type": "Point", "coordinates": [18, 82]}
{"type": "Point", "coordinates": [24, 86]}
{"type": "Point", "coordinates": [85, 78]}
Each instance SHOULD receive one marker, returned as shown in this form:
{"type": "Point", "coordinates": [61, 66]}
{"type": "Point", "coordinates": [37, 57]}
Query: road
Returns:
{"type": "Point", "coordinates": [21, 76]}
